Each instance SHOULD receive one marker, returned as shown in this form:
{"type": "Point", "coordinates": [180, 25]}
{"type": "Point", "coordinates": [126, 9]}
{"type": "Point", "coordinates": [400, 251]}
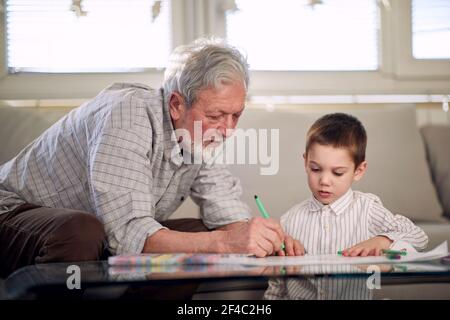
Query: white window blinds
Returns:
{"type": "Point", "coordinates": [431, 29]}
{"type": "Point", "coordinates": [294, 35]}
{"type": "Point", "coordinates": [87, 36]}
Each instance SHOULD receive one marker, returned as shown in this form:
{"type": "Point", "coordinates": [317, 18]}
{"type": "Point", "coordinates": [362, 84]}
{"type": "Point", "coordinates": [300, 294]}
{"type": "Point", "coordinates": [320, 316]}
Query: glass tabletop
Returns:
{"type": "Point", "coordinates": [294, 282]}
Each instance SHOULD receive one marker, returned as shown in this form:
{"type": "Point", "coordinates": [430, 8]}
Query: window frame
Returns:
{"type": "Point", "coordinates": [398, 73]}
{"type": "Point", "coordinates": [408, 67]}
{"type": "Point", "coordinates": [30, 85]}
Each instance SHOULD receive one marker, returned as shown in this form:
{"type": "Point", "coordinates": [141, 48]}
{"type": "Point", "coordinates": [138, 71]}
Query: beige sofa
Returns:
{"type": "Point", "coordinates": [398, 168]}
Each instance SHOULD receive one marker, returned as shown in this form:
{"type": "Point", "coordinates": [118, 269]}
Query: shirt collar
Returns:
{"type": "Point", "coordinates": [172, 150]}
{"type": "Point", "coordinates": [338, 206]}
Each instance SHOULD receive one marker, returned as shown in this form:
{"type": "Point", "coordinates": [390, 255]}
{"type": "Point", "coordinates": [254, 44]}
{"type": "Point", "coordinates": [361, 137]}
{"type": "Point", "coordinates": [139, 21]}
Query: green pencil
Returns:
{"type": "Point", "coordinates": [386, 252]}
{"type": "Point", "coordinates": [394, 252]}
{"type": "Point", "coordinates": [264, 213]}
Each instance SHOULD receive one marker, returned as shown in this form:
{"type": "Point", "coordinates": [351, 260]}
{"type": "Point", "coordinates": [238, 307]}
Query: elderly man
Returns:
{"type": "Point", "coordinates": [108, 175]}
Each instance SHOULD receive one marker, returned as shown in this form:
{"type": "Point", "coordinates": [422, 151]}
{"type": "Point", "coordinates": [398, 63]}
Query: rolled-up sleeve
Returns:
{"type": "Point", "coordinates": [218, 193]}
{"type": "Point", "coordinates": [395, 227]}
{"type": "Point", "coordinates": [120, 179]}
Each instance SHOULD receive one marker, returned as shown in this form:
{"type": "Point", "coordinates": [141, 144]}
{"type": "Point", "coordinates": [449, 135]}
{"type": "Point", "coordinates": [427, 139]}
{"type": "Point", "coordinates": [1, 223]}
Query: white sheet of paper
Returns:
{"type": "Point", "coordinates": [438, 252]}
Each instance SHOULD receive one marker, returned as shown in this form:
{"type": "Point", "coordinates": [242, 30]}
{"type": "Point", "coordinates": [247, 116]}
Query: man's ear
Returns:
{"type": "Point", "coordinates": [176, 106]}
{"type": "Point", "coordinates": [304, 158]}
{"type": "Point", "coordinates": [360, 171]}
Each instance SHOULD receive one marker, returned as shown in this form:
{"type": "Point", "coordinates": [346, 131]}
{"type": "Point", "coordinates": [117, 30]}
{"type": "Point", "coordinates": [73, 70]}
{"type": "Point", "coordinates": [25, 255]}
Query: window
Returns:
{"type": "Point", "coordinates": [294, 35]}
{"type": "Point", "coordinates": [87, 36]}
{"type": "Point", "coordinates": [295, 47]}
{"type": "Point", "coordinates": [431, 29]}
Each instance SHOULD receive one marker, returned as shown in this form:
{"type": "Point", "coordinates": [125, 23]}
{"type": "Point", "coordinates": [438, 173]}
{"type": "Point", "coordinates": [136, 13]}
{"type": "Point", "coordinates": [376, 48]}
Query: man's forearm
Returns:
{"type": "Point", "coordinates": [231, 225]}
{"type": "Point", "coordinates": [166, 240]}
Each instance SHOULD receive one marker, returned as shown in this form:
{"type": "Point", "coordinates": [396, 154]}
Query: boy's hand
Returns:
{"type": "Point", "coordinates": [371, 247]}
{"type": "Point", "coordinates": [292, 247]}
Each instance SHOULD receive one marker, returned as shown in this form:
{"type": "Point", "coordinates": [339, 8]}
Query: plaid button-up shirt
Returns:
{"type": "Point", "coordinates": [117, 157]}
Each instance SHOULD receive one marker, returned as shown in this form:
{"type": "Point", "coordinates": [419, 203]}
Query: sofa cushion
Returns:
{"type": "Point", "coordinates": [397, 168]}
{"type": "Point", "coordinates": [20, 126]}
{"type": "Point", "coordinates": [437, 143]}
{"type": "Point", "coordinates": [437, 233]}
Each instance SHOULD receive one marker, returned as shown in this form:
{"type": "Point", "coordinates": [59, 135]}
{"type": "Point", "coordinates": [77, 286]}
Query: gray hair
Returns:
{"type": "Point", "coordinates": [205, 63]}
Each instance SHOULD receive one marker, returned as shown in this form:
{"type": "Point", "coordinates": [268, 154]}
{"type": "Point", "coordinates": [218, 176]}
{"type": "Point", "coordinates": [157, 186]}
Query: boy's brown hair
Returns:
{"type": "Point", "coordinates": [339, 130]}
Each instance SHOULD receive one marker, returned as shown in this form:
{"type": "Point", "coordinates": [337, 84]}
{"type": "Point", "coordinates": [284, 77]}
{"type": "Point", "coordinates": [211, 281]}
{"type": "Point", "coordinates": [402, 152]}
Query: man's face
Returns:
{"type": "Point", "coordinates": [216, 112]}
{"type": "Point", "coordinates": [331, 172]}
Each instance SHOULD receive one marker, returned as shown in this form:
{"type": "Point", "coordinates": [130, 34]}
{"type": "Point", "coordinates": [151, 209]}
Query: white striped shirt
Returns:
{"type": "Point", "coordinates": [353, 218]}
{"type": "Point", "coordinates": [321, 288]}
{"type": "Point", "coordinates": [326, 229]}
{"type": "Point", "coordinates": [118, 157]}
{"type": "Point", "coordinates": [352, 286]}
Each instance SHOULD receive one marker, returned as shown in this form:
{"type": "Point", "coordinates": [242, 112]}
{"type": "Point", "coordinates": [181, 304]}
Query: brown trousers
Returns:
{"type": "Point", "coordinates": [32, 234]}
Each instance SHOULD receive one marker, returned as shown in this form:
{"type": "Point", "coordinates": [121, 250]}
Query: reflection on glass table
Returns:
{"type": "Point", "coordinates": [324, 288]}
{"type": "Point", "coordinates": [110, 282]}
{"type": "Point", "coordinates": [164, 272]}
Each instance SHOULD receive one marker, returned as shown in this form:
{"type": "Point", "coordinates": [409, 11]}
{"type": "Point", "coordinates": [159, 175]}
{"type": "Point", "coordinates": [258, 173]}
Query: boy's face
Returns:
{"type": "Point", "coordinates": [331, 172]}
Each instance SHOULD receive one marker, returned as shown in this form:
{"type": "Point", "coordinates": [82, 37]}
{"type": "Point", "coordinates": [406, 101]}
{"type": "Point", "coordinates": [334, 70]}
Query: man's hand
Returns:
{"type": "Point", "coordinates": [261, 237]}
{"type": "Point", "coordinates": [258, 236]}
{"type": "Point", "coordinates": [371, 247]}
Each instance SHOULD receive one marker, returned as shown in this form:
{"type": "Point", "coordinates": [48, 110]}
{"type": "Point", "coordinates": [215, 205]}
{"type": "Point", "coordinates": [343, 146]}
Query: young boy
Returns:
{"type": "Point", "coordinates": [336, 217]}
